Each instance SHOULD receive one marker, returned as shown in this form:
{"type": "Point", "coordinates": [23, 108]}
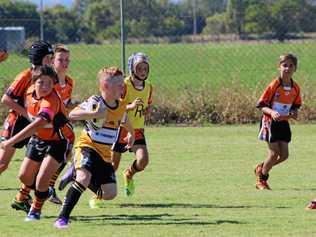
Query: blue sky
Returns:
{"type": "Point", "coordinates": [67, 3]}
{"type": "Point", "coordinates": [50, 3]}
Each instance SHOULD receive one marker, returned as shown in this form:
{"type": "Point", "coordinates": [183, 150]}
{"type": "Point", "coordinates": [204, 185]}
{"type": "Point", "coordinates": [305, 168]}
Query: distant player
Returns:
{"type": "Point", "coordinates": [279, 102]}
{"type": "Point", "coordinates": [103, 115]}
{"type": "Point", "coordinates": [3, 55]}
{"type": "Point", "coordinates": [49, 129]}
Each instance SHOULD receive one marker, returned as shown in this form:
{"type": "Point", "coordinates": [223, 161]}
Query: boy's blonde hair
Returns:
{"type": "Point", "coordinates": [288, 56]}
{"type": "Point", "coordinates": [61, 48]}
{"type": "Point", "coordinates": [110, 74]}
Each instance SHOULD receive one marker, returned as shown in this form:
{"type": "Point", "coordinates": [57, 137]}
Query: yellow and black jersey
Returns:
{"type": "Point", "coordinates": [100, 134]}
{"type": "Point", "coordinates": [136, 116]}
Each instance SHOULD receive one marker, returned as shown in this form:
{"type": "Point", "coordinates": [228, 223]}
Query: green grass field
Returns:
{"type": "Point", "coordinates": [176, 66]}
{"type": "Point", "coordinates": [200, 182]}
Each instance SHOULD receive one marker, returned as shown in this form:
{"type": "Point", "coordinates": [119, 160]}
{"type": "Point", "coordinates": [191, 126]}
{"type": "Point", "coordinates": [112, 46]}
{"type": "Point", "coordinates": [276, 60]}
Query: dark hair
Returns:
{"type": "Point", "coordinates": [38, 51]}
{"type": "Point", "coordinates": [288, 56]}
{"type": "Point", "coordinates": [44, 70]}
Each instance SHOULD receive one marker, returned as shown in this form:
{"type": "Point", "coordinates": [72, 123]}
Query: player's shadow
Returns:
{"type": "Point", "coordinates": [9, 189]}
{"type": "Point", "coordinates": [297, 189]}
{"type": "Point", "coordinates": [149, 219]}
{"type": "Point", "coordinates": [189, 205]}
{"type": "Point", "coordinates": [17, 160]}
{"type": "Point", "coordinates": [176, 205]}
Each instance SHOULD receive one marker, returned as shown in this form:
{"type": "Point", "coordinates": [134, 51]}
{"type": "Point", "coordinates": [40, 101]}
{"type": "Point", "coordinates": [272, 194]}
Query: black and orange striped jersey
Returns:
{"type": "Point", "coordinates": [65, 91]}
{"type": "Point", "coordinates": [51, 109]}
{"type": "Point", "coordinates": [281, 98]}
{"type": "Point", "coordinates": [18, 88]}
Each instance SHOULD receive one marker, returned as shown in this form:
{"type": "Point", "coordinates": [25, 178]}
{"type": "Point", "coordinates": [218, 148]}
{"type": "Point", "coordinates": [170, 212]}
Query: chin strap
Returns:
{"type": "Point", "coordinates": [138, 78]}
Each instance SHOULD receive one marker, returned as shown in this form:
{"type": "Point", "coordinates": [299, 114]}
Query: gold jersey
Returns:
{"type": "Point", "coordinates": [100, 134]}
{"type": "Point", "coordinates": [136, 116]}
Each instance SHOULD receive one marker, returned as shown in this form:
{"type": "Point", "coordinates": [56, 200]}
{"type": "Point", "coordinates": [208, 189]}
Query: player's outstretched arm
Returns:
{"type": "Point", "coordinates": [82, 114]}
{"type": "Point", "coordinates": [28, 131]}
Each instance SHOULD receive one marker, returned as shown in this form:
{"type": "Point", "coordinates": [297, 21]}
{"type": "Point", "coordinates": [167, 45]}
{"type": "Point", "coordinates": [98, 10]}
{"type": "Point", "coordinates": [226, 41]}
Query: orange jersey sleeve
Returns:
{"type": "Point", "coordinates": [48, 108]}
{"type": "Point", "coordinates": [281, 98]}
{"type": "Point", "coordinates": [45, 108]}
{"type": "Point", "coordinates": [298, 99]}
{"type": "Point", "coordinates": [265, 99]}
{"type": "Point", "coordinates": [51, 109]}
{"type": "Point", "coordinates": [276, 93]}
{"type": "Point", "coordinates": [19, 86]}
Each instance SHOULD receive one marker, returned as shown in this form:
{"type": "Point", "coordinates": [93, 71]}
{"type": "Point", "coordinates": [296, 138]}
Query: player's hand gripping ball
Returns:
{"type": "Point", "coordinates": [95, 104]}
{"type": "Point", "coordinates": [3, 55]}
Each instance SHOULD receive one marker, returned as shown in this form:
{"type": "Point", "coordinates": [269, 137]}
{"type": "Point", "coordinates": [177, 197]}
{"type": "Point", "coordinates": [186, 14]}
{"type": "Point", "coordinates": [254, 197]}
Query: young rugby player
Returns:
{"type": "Point", "coordinates": [64, 89]}
{"type": "Point", "coordinates": [48, 145]}
{"type": "Point", "coordinates": [40, 53]}
{"type": "Point", "coordinates": [138, 96]}
{"type": "Point", "coordinates": [3, 55]}
{"type": "Point", "coordinates": [279, 102]}
{"type": "Point", "coordinates": [102, 115]}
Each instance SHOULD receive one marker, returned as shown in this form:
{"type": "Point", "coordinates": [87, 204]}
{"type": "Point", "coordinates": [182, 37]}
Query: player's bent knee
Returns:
{"type": "Point", "coordinates": [109, 191]}
{"type": "Point", "coordinates": [109, 195]}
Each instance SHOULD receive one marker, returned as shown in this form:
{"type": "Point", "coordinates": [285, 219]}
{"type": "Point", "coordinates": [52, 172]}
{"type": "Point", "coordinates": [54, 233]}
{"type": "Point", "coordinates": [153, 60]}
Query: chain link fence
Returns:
{"type": "Point", "coordinates": [197, 78]}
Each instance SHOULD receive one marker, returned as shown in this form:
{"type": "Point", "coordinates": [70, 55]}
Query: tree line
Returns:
{"type": "Point", "coordinates": [93, 21]}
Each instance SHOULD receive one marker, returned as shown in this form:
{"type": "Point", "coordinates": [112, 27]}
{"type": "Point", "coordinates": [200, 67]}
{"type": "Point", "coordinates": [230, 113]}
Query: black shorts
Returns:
{"type": "Point", "coordinates": [101, 172]}
{"type": "Point", "coordinates": [120, 143]}
{"type": "Point", "coordinates": [120, 147]}
{"type": "Point", "coordinates": [13, 124]}
{"type": "Point", "coordinates": [37, 149]}
{"type": "Point", "coordinates": [280, 131]}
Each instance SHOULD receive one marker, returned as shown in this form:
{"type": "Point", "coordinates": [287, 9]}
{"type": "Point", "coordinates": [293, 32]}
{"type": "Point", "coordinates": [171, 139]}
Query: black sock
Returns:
{"type": "Point", "coordinates": [264, 176]}
{"type": "Point", "coordinates": [71, 199]}
{"type": "Point", "coordinates": [61, 167]}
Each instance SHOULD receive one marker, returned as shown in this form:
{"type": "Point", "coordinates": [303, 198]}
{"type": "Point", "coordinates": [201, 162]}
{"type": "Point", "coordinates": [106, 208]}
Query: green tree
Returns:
{"type": "Point", "coordinates": [257, 17]}
{"type": "Point", "coordinates": [100, 15]}
{"type": "Point", "coordinates": [84, 33]}
{"type": "Point", "coordinates": [143, 18]}
{"type": "Point", "coordinates": [203, 8]}
{"type": "Point", "coordinates": [18, 13]}
{"type": "Point", "coordinates": [285, 16]}
{"type": "Point", "coordinates": [60, 25]}
{"type": "Point", "coordinates": [216, 24]}
{"type": "Point", "coordinates": [236, 16]}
